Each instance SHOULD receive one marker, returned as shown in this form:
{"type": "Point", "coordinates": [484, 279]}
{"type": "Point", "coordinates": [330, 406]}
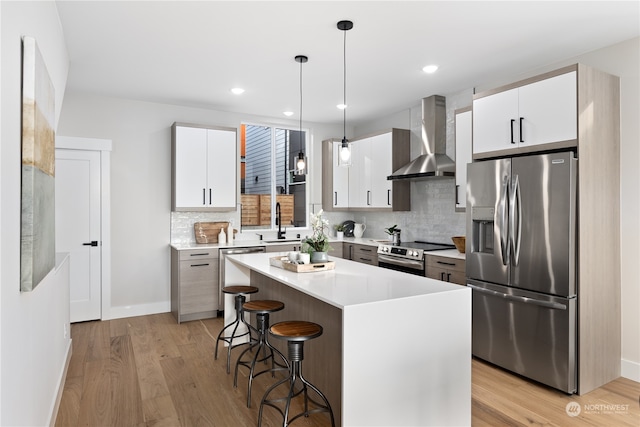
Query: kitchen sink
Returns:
{"type": "Point", "coordinates": [282, 241]}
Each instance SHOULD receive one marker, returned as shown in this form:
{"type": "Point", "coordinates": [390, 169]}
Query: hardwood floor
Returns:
{"type": "Point", "coordinates": [150, 371]}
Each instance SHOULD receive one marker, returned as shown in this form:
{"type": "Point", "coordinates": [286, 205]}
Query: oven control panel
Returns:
{"type": "Point", "coordinates": [401, 252]}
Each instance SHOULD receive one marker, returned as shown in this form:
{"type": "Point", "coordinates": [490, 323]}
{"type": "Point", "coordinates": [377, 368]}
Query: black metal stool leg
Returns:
{"type": "Point", "coordinates": [268, 353]}
{"type": "Point", "coordinates": [239, 301]}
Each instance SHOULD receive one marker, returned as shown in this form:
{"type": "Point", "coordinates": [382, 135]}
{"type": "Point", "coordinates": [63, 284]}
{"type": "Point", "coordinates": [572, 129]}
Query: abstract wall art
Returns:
{"type": "Point", "coordinates": [37, 252]}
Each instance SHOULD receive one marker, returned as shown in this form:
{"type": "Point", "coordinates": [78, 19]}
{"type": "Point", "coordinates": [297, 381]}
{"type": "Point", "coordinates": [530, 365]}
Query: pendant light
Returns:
{"type": "Point", "coordinates": [300, 162]}
{"type": "Point", "coordinates": [344, 158]}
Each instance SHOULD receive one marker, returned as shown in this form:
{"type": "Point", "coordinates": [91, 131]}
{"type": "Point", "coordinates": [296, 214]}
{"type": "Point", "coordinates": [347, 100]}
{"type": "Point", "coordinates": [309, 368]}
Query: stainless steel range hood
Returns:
{"type": "Point", "coordinates": [433, 162]}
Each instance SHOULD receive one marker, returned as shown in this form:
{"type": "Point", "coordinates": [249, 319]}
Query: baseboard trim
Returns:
{"type": "Point", "coordinates": [630, 370]}
{"type": "Point", "coordinates": [139, 310]}
{"type": "Point", "coordinates": [61, 382]}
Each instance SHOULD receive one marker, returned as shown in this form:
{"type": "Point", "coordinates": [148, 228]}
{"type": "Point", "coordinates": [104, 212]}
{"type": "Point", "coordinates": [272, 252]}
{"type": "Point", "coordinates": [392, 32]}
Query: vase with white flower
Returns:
{"type": "Point", "coordinates": [317, 245]}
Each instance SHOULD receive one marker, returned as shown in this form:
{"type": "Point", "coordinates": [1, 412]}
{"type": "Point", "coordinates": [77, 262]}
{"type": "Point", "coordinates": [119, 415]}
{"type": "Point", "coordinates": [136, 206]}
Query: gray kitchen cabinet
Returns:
{"type": "Point", "coordinates": [204, 168]}
{"type": "Point", "coordinates": [463, 125]}
{"type": "Point", "coordinates": [361, 253]}
{"type": "Point", "coordinates": [194, 284]}
{"type": "Point", "coordinates": [284, 247]}
{"type": "Point", "coordinates": [532, 115]}
{"type": "Point", "coordinates": [445, 268]}
{"type": "Point", "coordinates": [364, 184]}
{"type": "Point", "coordinates": [336, 249]}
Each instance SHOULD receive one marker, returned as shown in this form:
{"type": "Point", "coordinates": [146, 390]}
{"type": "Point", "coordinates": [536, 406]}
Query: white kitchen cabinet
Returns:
{"type": "Point", "coordinates": [204, 161]}
{"type": "Point", "coordinates": [364, 184]}
{"type": "Point", "coordinates": [524, 117]}
{"type": "Point", "coordinates": [463, 155]}
{"type": "Point", "coordinates": [340, 178]}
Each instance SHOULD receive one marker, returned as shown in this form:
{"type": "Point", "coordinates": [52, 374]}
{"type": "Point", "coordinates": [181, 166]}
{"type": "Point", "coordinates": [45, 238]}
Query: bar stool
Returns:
{"type": "Point", "coordinates": [240, 291]}
{"type": "Point", "coordinates": [295, 333]}
{"type": "Point", "coordinates": [261, 308]}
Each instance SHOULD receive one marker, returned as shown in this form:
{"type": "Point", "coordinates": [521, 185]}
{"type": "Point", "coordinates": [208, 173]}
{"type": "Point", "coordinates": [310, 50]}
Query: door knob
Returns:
{"type": "Point", "coordinates": [91, 243]}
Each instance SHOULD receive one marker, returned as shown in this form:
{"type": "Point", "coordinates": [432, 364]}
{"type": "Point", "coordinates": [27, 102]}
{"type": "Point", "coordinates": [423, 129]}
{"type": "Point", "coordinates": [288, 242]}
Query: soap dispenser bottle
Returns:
{"type": "Point", "coordinates": [222, 237]}
{"type": "Point", "coordinates": [230, 233]}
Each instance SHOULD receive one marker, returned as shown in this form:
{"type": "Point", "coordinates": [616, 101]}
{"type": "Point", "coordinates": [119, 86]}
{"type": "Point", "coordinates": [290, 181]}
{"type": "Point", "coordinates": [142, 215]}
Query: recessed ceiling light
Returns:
{"type": "Point", "coordinates": [429, 69]}
{"type": "Point", "coordinates": [288, 113]}
{"type": "Point", "coordinates": [341, 106]}
{"type": "Point", "coordinates": [237, 90]}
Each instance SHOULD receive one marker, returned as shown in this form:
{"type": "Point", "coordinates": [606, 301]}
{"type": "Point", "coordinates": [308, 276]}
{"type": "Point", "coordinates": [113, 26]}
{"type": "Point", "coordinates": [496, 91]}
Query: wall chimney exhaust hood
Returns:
{"type": "Point", "coordinates": [432, 163]}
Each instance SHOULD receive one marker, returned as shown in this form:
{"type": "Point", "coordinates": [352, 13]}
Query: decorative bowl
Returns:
{"type": "Point", "coordinates": [460, 242]}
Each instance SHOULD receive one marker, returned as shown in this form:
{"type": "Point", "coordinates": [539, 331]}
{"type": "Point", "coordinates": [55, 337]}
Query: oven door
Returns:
{"type": "Point", "coordinates": [401, 264]}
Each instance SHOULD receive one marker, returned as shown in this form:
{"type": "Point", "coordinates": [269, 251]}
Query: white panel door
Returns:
{"type": "Point", "coordinates": [381, 167]}
{"type": "Point", "coordinates": [340, 179]}
{"type": "Point", "coordinates": [221, 170]}
{"type": "Point", "coordinates": [549, 110]}
{"type": "Point", "coordinates": [495, 122]}
{"type": "Point", "coordinates": [191, 167]}
{"type": "Point", "coordinates": [78, 219]}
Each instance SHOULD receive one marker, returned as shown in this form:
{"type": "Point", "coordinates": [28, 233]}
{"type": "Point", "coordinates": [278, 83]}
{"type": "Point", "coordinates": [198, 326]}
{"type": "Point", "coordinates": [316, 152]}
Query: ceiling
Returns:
{"type": "Point", "coordinates": [193, 53]}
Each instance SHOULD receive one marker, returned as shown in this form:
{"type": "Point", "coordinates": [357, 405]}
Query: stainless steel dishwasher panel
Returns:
{"type": "Point", "coordinates": [231, 251]}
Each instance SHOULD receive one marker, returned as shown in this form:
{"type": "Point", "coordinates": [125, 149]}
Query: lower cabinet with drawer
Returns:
{"type": "Point", "coordinates": [336, 249]}
{"type": "Point", "coordinates": [361, 253]}
{"type": "Point", "coordinates": [194, 284]}
{"type": "Point", "coordinates": [446, 269]}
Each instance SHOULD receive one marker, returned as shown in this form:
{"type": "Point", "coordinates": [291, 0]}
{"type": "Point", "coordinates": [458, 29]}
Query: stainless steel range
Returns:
{"type": "Point", "coordinates": [409, 257]}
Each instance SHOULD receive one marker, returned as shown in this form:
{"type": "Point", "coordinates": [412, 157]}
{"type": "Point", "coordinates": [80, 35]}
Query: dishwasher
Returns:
{"type": "Point", "coordinates": [223, 253]}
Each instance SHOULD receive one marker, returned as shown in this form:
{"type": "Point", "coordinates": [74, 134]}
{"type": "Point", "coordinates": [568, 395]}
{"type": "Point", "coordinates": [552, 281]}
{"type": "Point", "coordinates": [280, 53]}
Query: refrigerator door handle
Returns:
{"type": "Point", "coordinates": [503, 218]}
{"type": "Point", "coordinates": [515, 219]}
{"type": "Point", "coordinates": [524, 300]}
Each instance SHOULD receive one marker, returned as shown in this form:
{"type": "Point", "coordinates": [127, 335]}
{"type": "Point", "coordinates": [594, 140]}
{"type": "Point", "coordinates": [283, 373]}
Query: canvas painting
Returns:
{"type": "Point", "coordinates": [37, 255]}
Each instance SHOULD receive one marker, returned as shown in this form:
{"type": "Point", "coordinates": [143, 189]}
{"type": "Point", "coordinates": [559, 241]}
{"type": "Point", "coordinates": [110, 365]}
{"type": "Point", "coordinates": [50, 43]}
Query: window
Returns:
{"type": "Point", "coordinates": [267, 169]}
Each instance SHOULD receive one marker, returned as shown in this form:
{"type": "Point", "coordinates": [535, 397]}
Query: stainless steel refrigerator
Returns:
{"type": "Point", "coordinates": [521, 264]}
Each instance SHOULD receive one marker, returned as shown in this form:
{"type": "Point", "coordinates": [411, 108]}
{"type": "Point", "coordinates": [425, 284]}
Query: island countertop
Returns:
{"type": "Point", "coordinates": [350, 283]}
{"type": "Point", "coordinates": [395, 348]}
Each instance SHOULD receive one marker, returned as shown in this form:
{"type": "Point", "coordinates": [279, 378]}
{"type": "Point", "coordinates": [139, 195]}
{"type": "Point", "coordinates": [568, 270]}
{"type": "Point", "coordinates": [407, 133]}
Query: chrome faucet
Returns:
{"type": "Point", "coordinates": [279, 221]}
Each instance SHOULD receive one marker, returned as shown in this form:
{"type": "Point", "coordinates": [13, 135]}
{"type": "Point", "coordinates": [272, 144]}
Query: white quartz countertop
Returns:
{"type": "Point", "coordinates": [350, 283]}
{"type": "Point", "coordinates": [452, 253]}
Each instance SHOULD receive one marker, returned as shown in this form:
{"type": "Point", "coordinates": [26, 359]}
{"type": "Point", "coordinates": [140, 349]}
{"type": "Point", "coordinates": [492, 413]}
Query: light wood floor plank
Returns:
{"type": "Point", "coordinates": [149, 371]}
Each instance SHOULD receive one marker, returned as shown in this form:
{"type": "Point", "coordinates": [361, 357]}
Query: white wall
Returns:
{"type": "Point", "coordinates": [141, 186]}
{"type": "Point", "coordinates": [33, 346]}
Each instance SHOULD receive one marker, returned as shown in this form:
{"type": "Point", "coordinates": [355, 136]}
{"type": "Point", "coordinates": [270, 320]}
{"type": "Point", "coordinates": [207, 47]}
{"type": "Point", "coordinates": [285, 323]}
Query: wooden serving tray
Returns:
{"type": "Point", "coordinates": [284, 263]}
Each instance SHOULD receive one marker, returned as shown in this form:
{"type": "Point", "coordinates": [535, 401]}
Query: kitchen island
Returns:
{"type": "Point", "coordinates": [396, 348]}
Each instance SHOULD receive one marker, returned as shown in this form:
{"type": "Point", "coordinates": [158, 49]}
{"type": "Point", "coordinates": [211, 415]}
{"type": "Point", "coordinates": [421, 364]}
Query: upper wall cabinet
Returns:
{"type": "Point", "coordinates": [204, 168]}
{"type": "Point", "coordinates": [364, 184]}
{"type": "Point", "coordinates": [463, 155]}
{"type": "Point", "coordinates": [526, 115]}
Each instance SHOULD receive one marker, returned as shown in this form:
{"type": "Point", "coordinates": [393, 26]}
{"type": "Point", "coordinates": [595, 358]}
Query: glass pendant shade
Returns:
{"type": "Point", "coordinates": [300, 164]}
{"type": "Point", "coordinates": [344, 156]}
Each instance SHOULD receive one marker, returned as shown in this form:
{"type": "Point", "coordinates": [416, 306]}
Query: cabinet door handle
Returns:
{"type": "Point", "coordinates": [351, 252]}
{"type": "Point", "coordinates": [521, 119]}
{"type": "Point", "coordinates": [199, 265]}
{"type": "Point", "coordinates": [448, 277]}
{"type": "Point", "coordinates": [365, 259]}
{"type": "Point", "coordinates": [389, 197]}
{"type": "Point", "coordinates": [512, 123]}
{"type": "Point", "coordinates": [442, 276]}
{"type": "Point", "coordinates": [457, 188]}
{"type": "Point", "coordinates": [209, 196]}
{"type": "Point", "coordinates": [446, 263]}
{"type": "Point", "coordinates": [202, 254]}
{"type": "Point", "coordinates": [335, 198]}
{"type": "Point", "coordinates": [365, 250]}
{"type": "Point", "coordinates": [368, 197]}
{"type": "Point", "coordinates": [204, 196]}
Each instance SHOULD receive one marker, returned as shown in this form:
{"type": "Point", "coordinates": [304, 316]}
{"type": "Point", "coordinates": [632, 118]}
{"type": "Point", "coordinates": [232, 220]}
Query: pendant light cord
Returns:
{"type": "Point", "coordinates": [300, 135]}
{"type": "Point", "coordinates": [344, 87]}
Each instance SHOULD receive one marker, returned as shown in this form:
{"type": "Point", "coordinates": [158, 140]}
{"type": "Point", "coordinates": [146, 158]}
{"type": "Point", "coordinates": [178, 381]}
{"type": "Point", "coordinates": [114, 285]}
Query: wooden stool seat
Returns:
{"type": "Point", "coordinates": [263, 306]}
{"type": "Point", "coordinates": [296, 330]}
{"type": "Point", "coordinates": [239, 289]}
